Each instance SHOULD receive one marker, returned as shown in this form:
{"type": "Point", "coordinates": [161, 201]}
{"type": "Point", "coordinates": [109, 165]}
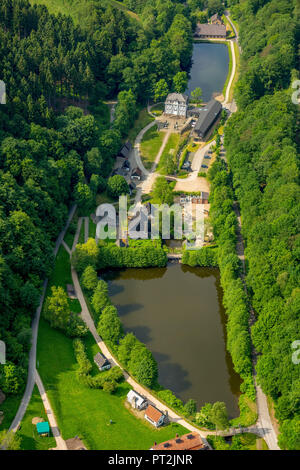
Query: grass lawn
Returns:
{"type": "Point", "coordinates": [229, 69]}
{"type": "Point", "coordinates": [150, 146]}
{"type": "Point", "coordinates": [228, 27]}
{"type": "Point", "coordinates": [122, 7]}
{"type": "Point", "coordinates": [81, 234]}
{"type": "Point", "coordinates": [27, 432]}
{"type": "Point", "coordinates": [171, 145]}
{"type": "Point", "coordinates": [87, 412]}
{"type": "Point", "coordinates": [61, 276]}
{"type": "Point", "coordinates": [92, 229]}
{"type": "Point", "coordinates": [236, 76]}
{"type": "Point", "coordinates": [77, 9]}
{"type": "Point", "coordinates": [9, 407]}
{"type": "Point", "coordinates": [142, 120]}
{"type": "Point", "coordinates": [158, 109]}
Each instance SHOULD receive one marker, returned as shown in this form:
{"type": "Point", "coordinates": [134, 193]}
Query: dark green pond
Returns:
{"type": "Point", "coordinates": [177, 312]}
{"type": "Point", "coordinates": [209, 69]}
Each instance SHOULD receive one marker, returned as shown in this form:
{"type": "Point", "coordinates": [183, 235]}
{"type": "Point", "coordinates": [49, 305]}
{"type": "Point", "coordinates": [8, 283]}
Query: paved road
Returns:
{"type": "Point", "coordinates": [35, 324]}
{"type": "Point", "coordinates": [226, 100]}
{"type": "Point", "coordinates": [264, 422]}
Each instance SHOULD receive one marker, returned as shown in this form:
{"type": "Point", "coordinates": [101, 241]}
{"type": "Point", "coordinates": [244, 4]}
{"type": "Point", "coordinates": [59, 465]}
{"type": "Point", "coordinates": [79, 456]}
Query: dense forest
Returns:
{"type": "Point", "coordinates": [56, 146]}
{"type": "Point", "coordinates": [263, 156]}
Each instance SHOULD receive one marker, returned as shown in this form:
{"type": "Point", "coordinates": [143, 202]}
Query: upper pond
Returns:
{"type": "Point", "coordinates": [177, 312]}
{"type": "Point", "coordinates": [209, 70]}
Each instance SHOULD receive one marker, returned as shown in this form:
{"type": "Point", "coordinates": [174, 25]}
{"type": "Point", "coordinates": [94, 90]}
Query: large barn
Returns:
{"type": "Point", "coordinates": [207, 30]}
{"type": "Point", "coordinates": [207, 117]}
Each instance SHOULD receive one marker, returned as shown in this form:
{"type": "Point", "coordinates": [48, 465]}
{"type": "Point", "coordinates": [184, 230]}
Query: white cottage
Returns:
{"type": "Point", "coordinates": [176, 104]}
{"type": "Point", "coordinates": [136, 400]}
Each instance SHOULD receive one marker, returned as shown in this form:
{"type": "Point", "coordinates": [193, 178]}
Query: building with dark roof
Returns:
{"type": "Point", "coordinates": [125, 150]}
{"type": "Point", "coordinates": [176, 104]}
{"type": "Point", "coordinates": [210, 31]}
{"type": "Point", "coordinates": [207, 117]}
{"type": "Point", "coordinates": [102, 362]}
{"type": "Point", "coordinates": [191, 441]}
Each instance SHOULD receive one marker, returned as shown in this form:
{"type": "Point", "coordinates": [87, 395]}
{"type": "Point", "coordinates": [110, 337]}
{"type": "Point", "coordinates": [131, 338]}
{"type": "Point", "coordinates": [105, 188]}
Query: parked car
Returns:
{"type": "Point", "coordinates": [204, 166]}
{"type": "Point", "coordinates": [207, 156]}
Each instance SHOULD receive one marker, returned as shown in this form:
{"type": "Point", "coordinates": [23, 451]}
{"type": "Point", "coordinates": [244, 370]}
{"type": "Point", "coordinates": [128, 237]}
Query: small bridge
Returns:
{"type": "Point", "coordinates": [175, 256]}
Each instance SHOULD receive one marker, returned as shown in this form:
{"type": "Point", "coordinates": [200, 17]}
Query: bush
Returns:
{"type": "Point", "coordinates": [109, 326]}
{"type": "Point", "coordinates": [89, 278]}
{"type": "Point", "coordinates": [206, 256]}
{"type": "Point", "coordinates": [100, 298]}
{"type": "Point", "coordinates": [116, 186]}
{"type": "Point", "coordinates": [76, 327]}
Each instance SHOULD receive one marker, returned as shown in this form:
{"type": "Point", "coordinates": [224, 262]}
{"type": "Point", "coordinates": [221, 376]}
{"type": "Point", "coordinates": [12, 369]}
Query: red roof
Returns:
{"type": "Point", "coordinates": [191, 441]}
{"type": "Point", "coordinates": [153, 413]}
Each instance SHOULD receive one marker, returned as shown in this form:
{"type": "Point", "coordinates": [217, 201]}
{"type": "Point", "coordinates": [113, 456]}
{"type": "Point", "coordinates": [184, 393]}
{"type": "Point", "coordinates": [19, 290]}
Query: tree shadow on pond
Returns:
{"type": "Point", "coordinates": [171, 375]}
{"type": "Point", "coordinates": [128, 308]}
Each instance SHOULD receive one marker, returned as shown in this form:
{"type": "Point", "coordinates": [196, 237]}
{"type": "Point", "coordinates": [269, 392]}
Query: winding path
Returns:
{"type": "Point", "coordinates": [31, 377]}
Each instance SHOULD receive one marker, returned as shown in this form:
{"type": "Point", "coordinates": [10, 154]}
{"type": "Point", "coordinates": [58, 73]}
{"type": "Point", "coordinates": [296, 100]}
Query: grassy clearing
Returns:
{"type": "Point", "coordinates": [92, 229]}
{"type": "Point", "coordinates": [87, 412]}
{"type": "Point", "coordinates": [236, 76]}
{"type": "Point", "coordinates": [27, 432]}
{"type": "Point", "coordinates": [9, 407]}
{"type": "Point", "coordinates": [61, 276]}
{"type": "Point", "coordinates": [158, 109]}
{"type": "Point", "coordinates": [228, 27]}
{"type": "Point", "coordinates": [142, 120]}
{"type": "Point", "coordinates": [150, 146]}
{"type": "Point", "coordinates": [229, 69]}
{"type": "Point", "coordinates": [77, 9]}
{"type": "Point", "coordinates": [170, 147]}
{"type": "Point", "coordinates": [122, 7]}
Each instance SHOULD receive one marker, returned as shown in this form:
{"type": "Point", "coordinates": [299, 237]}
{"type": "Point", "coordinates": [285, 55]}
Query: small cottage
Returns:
{"type": "Point", "coordinates": [136, 400]}
{"type": "Point", "coordinates": [125, 150]}
{"type": "Point", "coordinates": [154, 416]}
{"type": "Point", "coordinates": [102, 362]}
{"type": "Point", "coordinates": [136, 173]}
{"type": "Point", "coordinates": [71, 291]}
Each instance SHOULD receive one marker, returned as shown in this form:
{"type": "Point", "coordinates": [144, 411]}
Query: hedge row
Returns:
{"type": "Point", "coordinates": [107, 380]}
